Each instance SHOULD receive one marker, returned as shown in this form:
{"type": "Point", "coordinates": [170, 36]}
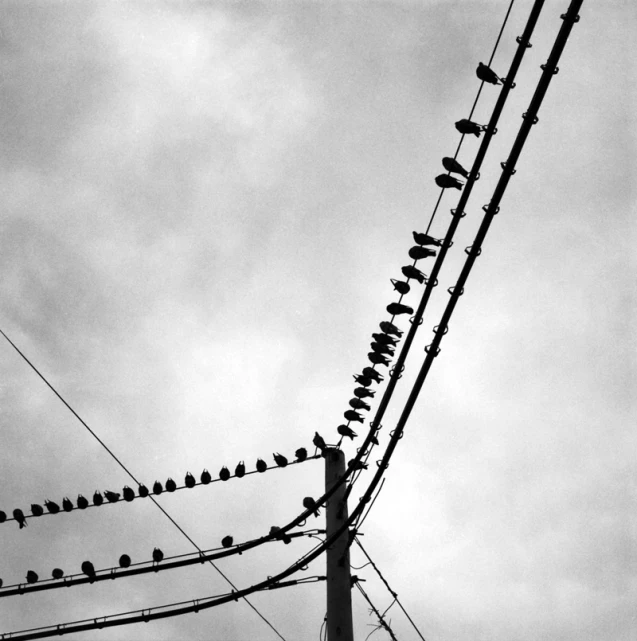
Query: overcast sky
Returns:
{"type": "Point", "coordinates": [202, 206]}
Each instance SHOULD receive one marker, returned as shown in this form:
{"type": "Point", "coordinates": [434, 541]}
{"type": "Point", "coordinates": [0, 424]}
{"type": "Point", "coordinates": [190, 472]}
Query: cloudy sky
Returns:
{"type": "Point", "coordinates": [203, 204]}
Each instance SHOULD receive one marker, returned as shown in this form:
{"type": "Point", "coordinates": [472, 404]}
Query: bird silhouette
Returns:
{"type": "Point", "coordinates": [487, 74]}
{"type": "Point", "coordinates": [281, 536]}
{"type": "Point", "coordinates": [400, 286]}
{"type": "Point", "coordinates": [142, 490]}
{"type": "Point", "coordinates": [224, 473]}
{"type": "Point", "coordinates": [206, 477]}
{"type": "Point", "coordinates": [158, 555]}
{"type": "Point", "coordinates": [128, 493]}
{"type": "Point", "coordinates": [57, 573]}
{"type": "Point", "coordinates": [0, 583]}
{"type": "Point", "coordinates": [3, 516]}
{"type": "Point", "coordinates": [379, 348]}
{"type": "Point", "coordinates": [363, 392]}
{"type": "Point", "coordinates": [343, 430]}
{"type": "Point", "coordinates": [88, 569]}
{"type": "Point", "coordinates": [373, 374]}
{"type": "Point", "coordinates": [310, 504]}
{"type": "Point", "coordinates": [98, 499]}
{"type": "Point", "coordinates": [226, 541]}
{"type": "Point", "coordinates": [418, 253]}
{"type": "Point", "coordinates": [390, 328]}
{"type": "Point", "coordinates": [32, 577]}
{"type": "Point", "coordinates": [280, 460]}
{"type": "Point", "coordinates": [37, 510]}
{"type": "Point", "coordinates": [395, 309]}
{"type": "Point", "coordinates": [301, 454]}
{"type": "Point", "coordinates": [319, 442]}
{"type": "Point", "coordinates": [384, 339]}
{"type": "Point", "coordinates": [365, 381]}
{"type": "Point", "coordinates": [82, 502]}
{"type": "Point", "coordinates": [111, 497]}
{"type": "Point", "coordinates": [52, 507]}
{"type": "Point", "coordinates": [448, 182]}
{"type": "Point", "coordinates": [67, 504]}
{"type": "Point", "coordinates": [357, 404]}
{"type": "Point", "coordinates": [377, 359]}
{"type": "Point", "coordinates": [425, 239]}
{"type": "Point", "coordinates": [357, 465]}
{"type": "Point", "coordinates": [351, 415]}
{"type": "Point", "coordinates": [18, 515]}
{"type": "Point", "coordinates": [465, 126]}
{"type": "Point", "coordinates": [190, 480]}
{"type": "Point", "coordinates": [409, 271]}
{"type": "Point", "coordinates": [157, 488]}
{"type": "Point", "coordinates": [171, 486]}
{"type": "Point", "coordinates": [240, 470]}
{"type": "Point", "coordinates": [262, 466]}
{"type": "Point", "coordinates": [452, 165]}
{"type": "Point", "coordinates": [124, 561]}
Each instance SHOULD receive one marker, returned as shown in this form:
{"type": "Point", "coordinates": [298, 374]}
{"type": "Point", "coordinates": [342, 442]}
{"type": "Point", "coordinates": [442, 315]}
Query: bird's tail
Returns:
{"type": "Point", "coordinates": [23, 524]}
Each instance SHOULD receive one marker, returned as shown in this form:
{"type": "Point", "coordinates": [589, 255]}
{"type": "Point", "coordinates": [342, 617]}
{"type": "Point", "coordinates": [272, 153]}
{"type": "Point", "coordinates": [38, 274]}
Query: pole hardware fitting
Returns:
{"type": "Point", "coordinates": [462, 214]}
{"type": "Point", "coordinates": [468, 250]}
{"type": "Point", "coordinates": [555, 71]}
{"type": "Point", "coordinates": [411, 320]}
{"type": "Point", "coordinates": [437, 327]}
{"type": "Point", "coordinates": [428, 349]}
{"type": "Point", "coordinates": [535, 120]}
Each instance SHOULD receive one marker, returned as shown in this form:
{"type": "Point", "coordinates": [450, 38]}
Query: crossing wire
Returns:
{"type": "Point", "coordinates": [382, 623]}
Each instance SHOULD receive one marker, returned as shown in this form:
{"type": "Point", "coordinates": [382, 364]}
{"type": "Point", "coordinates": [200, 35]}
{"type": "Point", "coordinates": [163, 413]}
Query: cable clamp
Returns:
{"type": "Point", "coordinates": [462, 214]}
{"type": "Point", "coordinates": [452, 291]}
{"type": "Point", "coordinates": [525, 115]}
{"type": "Point", "coordinates": [445, 330]}
{"type": "Point", "coordinates": [411, 320]}
{"type": "Point", "coordinates": [564, 16]}
{"type": "Point", "coordinates": [468, 250]}
{"type": "Point", "coordinates": [504, 168]}
{"type": "Point", "coordinates": [436, 281]}
{"type": "Point", "coordinates": [428, 349]}
{"type": "Point", "coordinates": [495, 212]}
{"type": "Point", "coordinates": [555, 71]}
{"type": "Point", "coordinates": [528, 45]}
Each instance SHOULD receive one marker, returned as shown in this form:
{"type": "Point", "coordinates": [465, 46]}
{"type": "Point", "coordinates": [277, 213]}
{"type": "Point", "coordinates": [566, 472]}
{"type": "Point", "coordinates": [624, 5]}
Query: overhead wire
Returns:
{"type": "Point", "coordinates": [382, 624]}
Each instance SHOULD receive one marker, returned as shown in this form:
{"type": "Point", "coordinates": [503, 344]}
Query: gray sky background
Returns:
{"type": "Point", "coordinates": [203, 204]}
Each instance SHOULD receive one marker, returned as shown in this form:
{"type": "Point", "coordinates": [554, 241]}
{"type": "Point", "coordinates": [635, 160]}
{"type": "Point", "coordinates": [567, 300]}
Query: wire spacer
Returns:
{"type": "Point", "coordinates": [528, 45]}
{"type": "Point", "coordinates": [467, 250]}
{"type": "Point", "coordinates": [428, 349]}
{"type": "Point", "coordinates": [438, 326]}
{"type": "Point", "coordinates": [504, 168]}
{"type": "Point", "coordinates": [462, 214]}
{"type": "Point", "coordinates": [411, 320]}
{"type": "Point", "coordinates": [525, 115]}
{"type": "Point", "coordinates": [554, 72]}
{"type": "Point", "coordinates": [452, 291]}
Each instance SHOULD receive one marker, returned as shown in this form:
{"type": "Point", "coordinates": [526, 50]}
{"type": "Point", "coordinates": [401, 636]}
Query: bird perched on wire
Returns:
{"type": "Point", "coordinates": [227, 541]}
{"type": "Point", "coordinates": [384, 339]}
{"type": "Point", "coordinates": [377, 359]}
{"type": "Point", "coordinates": [18, 515]}
{"type": "Point", "coordinates": [452, 165]}
{"type": "Point", "coordinates": [357, 404]}
{"type": "Point", "coordinates": [390, 328]}
{"type": "Point", "coordinates": [57, 573]}
{"type": "Point", "coordinates": [3, 516]}
{"type": "Point", "coordinates": [281, 536]}
{"type": "Point", "coordinates": [37, 510]}
{"type": "Point", "coordinates": [301, 454]}
{"type": "Point", "coordinates": [279, 459]}
{"type": "Point", "coordinates": [373, 374]}
{"type": "Point", "coordinates": [262, 466]}
{"type": "Point", "coordinates": [52, 507]}
{"type": "Point", "coordinates": [111, 497]}
{"type": "Point", "coordinates": [448, 182]}
{"type": "Point", "coordinates": [124, 561]}
{"type": "Point", "coordinates": [395, 309]}
{"type": "Point", "coordinates": [82, 502]}
{"type": "Point", "coordinates": [67, 504]}
{"type": "Point", "coordinates": [319, 443]}
{"type": "Point", "coordinates": [418, 253]}
{"type": "Point", "coordinates": [32, 577]}
{"type": "Point", "coordinates": [157, 487]}
{"type": "Point", "coordinates": [224, 473]}
{"type": "Point", "coordinates": [158, 556]}
{"type": "Point", "coordinates": [343, 430]}
{"type": "Point", "coordinates": [465, 126]}
{"type": "Point", "coordinates": [310, 504]}
{"type": "Point", "coordinates": [379, 348]}
{"type": "Point", "coordinates": [425, 239]}
{"type": "Point", "coordinates": [189, 480]}
{"type": "Point", "coordinates": [365, 381]}
{"type": "Point", "coordinates": [88, 569]}
{"type": "Point", "coordinates": [142, 490]}
{"type": "Point", "coordinates": [409, 271]}
{"type": "Point", "coordinates": [357, 465]}
{"type": "Point", "coordinates": [487, 74]}
{"type": "Point", "coordinates": [206, 477]}
{"type": "Point", "coordinates": [363, 392]}
{"type": "Point", "coordinates": [171, 486]}
{"type": "Point", "coordinates": [240, 470]}
{"type": "Point", "coordinates": [98, 499]}
{"type": "Point", "coordinates": [351, 415]}
{"type": "Point", "coordinates": [129, 493]}
{"type": "Point", "coordinates": [400, 286]}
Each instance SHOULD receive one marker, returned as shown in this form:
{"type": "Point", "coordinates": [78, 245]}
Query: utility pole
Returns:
{"type": "Point", "coordinates": [339, 583]}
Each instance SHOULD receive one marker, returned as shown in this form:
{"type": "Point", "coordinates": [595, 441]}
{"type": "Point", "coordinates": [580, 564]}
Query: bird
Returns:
{"type": "Point", "coordinates": [57, 573]}
{"type": "Point", "coordinates": [343, 430]}
{"type": "Point", "coordinates": [319, 442]}
{"type": "Point", "coordinates": [157, 488]}
{"type": "Point", "coordinates": [171, 486]}
{"type": "Point", "coordinates": [142, 490]}
{"type": "Point", "coordinates": [18, 515]}
{"type": "Point", "coordinates": [379, 348]}
{"type": "Point", "coordinates": [190, 480]}
{"type": "Point", "coordinates": [452, 165]}
{"type": "Point", "coordinates": [37, 510]}
{"type": "Point", "coordinates": [98, 499]}
{"type": "Point", "coordinates": [390, 328]}
{"type": "Point", "coordinates": [365, 381]}
{"type": "Point", "coordinates": [82, 502]}
{"type": "Point", "coordinates": [448, 182]}
{"type": "Point", "coordinates": [310, 504]}
{"type": "Point", "coordinates": [88, 569]}
{"type": "Point", "coordinates": [111, 497]}
{"type": "Point", "coordinates": [465, 126]}
{"type": "Point", "coordinates": [280, 460]}
{"type": "Point", "coordinates": [418, 253]}
{"type": "Point", "coordinates": [262, 466]}
{"type": "Point", "coordinates": [487, 74]}
{"type": "Point", "coordinates": [425, 239]}
{"type": "Point", "coordinates": [351, 415]}
{"type": "Point", "coordinates": [32, 577]}
{"type": "Point", "coordinates": [52, 507]}
{"type": "Point", "coordinates": [3, 516]}
{"type": "Point", "coordinates": [240, 470]}
{"type": "Point", "coordinates": [224, 473]}
{"type": "Point", "coordinates": [124, 561]}
{"type": "Point", "coordinates": [226, 541]}
{"type": "Point", "coordinates": [373, 374]}
{"type": "Point", "coordinates": [67, 504]}
{"type": "Point", "coordinates": [384, 339]}
{"type": "Point", "coordinates": [206, 477]}
{"type": "Point", "coordinates": [0, 583]}
{"type": "Point", "coordinates": [363, 392]}
{"type": "Point", "coordinates": [301, 454]}
{"type": "Point", "coordinates": [377, 359]}
{"type": "Point", "coordinates": [395, 309]}
{"type": "Point", "coordinates": [357, 404]}
{"type": "Point", "coordinates": [357, 465]}
{"type": "Point", "coordinates": [409, 271]}
{"type": "Point", "coordinates": [158, 555]}
{"type": "Point", "coordinates": [282, 536]}
{"type": "Point", "coordinates": [400, 286]}
{"type": "Point", "coordinates": [128, 493]}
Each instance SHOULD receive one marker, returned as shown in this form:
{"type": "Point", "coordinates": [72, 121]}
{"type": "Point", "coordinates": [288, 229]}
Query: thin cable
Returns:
{"type": "Point", "coordinates": [170, 518]}
{"type": "Point", "coordinates": [382, 623]}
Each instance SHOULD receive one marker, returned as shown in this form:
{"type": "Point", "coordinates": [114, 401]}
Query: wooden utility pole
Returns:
{"type": "Point", "coordinates": [339, 583]}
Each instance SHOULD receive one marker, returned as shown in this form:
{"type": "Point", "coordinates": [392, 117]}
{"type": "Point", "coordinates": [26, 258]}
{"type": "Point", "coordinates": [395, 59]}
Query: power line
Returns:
{"type": "Point", "coordinates": [381, 619]}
